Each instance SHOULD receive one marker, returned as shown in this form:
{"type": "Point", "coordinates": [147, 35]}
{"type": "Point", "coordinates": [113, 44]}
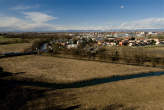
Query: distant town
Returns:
{"type": "Point", "coordinates": [99, 38]}
{"type": "Point", "coordinates": [122, 38]}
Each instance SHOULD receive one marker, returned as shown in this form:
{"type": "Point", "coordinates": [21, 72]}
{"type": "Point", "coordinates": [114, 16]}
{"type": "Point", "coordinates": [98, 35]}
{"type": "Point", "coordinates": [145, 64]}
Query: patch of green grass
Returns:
{"type": "Point", "coordinates": [4, 40]}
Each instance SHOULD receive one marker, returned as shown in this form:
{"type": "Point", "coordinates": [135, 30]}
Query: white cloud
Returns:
{"type": "Point", "coordinates": [37, 21]}
{"type": "Point", "coordinates": [149, 23]}
{"type": "Point", "coordinates": [122, 6]}
{"type": "Point", "coordinates": [81, 27]}
{"type": "Point", "coordinates": [31, 21]}
{"type": "Point", "coordinates": [23, 7]}
{"type": "Point", "coordinates": [38, 17]}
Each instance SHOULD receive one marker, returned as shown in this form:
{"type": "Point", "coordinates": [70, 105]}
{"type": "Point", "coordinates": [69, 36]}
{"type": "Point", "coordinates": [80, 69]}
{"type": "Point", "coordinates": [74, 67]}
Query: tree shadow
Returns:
{"type": "Point", "coordinates": [6, 74]}
{"type": "Point", "coordinates": [88, 82]}
{"type": "Point", "coordinates": [15, 54]}
{"type": "Point", "coordinates": [15, 96]}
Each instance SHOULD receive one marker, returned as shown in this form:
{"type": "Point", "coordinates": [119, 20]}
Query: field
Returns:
{"type": "Point", "coordinates": [14, 47]}
{"type": "Point", "coordinates": [69, 84]}
{"type": "Point", "coordinates": [5, 40]}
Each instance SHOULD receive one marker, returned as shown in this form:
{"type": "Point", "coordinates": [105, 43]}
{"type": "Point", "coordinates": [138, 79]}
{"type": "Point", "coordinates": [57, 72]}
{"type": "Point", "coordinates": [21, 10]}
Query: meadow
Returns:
{"type": "Point", "coordinates": [38, 82]}
{"type": "Point", "coordinates": [6, 41]}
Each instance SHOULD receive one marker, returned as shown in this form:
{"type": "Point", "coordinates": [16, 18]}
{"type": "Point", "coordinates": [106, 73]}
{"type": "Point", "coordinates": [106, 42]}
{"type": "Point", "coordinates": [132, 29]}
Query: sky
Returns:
{"type": "Point", "coordinates": [54, 15]}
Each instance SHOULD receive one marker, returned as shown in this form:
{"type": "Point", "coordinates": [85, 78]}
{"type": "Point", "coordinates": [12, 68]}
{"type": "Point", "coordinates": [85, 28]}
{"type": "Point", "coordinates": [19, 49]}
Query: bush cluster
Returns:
{"type": "Point", "coordinates": [128, 55]}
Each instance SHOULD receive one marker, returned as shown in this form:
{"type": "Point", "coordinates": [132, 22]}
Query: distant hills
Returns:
{"type": "Point", "coordinates": [113, 30]}
{"type": "Point", "coordinates": [116, 30]}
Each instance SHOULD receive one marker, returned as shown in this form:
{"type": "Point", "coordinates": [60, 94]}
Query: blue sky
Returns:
{"type": "Point", "coordinates": [51, 15]}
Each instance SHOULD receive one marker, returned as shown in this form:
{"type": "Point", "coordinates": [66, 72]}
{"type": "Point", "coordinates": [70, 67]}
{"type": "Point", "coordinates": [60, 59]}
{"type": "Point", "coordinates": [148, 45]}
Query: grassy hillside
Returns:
{"type": "Point", "coordinates": [5, 40]}
{"type": "Point", "coordinates": [45, 82]}
{"type": "Point", "coordinates": [87, 84]}
{"type": "Point", "coordinates": [14, 47]}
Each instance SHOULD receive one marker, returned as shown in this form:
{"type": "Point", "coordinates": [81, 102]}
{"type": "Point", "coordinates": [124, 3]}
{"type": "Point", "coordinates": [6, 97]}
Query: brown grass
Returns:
{"type": "Point", "coordinates": [145, 93]}
{"type": "Point", "coordinates": [68, 69]}
{"type": "Point", "coordinates": [14, 47]}
{"type": "Point", "coordinates": [130, 94]}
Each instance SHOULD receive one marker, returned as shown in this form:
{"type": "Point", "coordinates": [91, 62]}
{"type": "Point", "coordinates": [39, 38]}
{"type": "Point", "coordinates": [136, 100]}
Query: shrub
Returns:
{"type": "Point", "coordinates": [155, 61]}
{"type": "Point", "coordinates": [102, 53]}
{"type": "Point", "coordinates": [134, 55]}
{"type": "Point", "coordinates": [55, 48]}
{"type": "Point", "coordinates": [38, 43]}
{"type": "Point", "coordinates": [115, 56]}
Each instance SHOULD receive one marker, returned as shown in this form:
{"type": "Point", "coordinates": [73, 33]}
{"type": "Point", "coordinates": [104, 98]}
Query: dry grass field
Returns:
{"type": "Point", "coordinates": [86, 85]}
{"type": "Point", "coordinates": [14, 47]}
